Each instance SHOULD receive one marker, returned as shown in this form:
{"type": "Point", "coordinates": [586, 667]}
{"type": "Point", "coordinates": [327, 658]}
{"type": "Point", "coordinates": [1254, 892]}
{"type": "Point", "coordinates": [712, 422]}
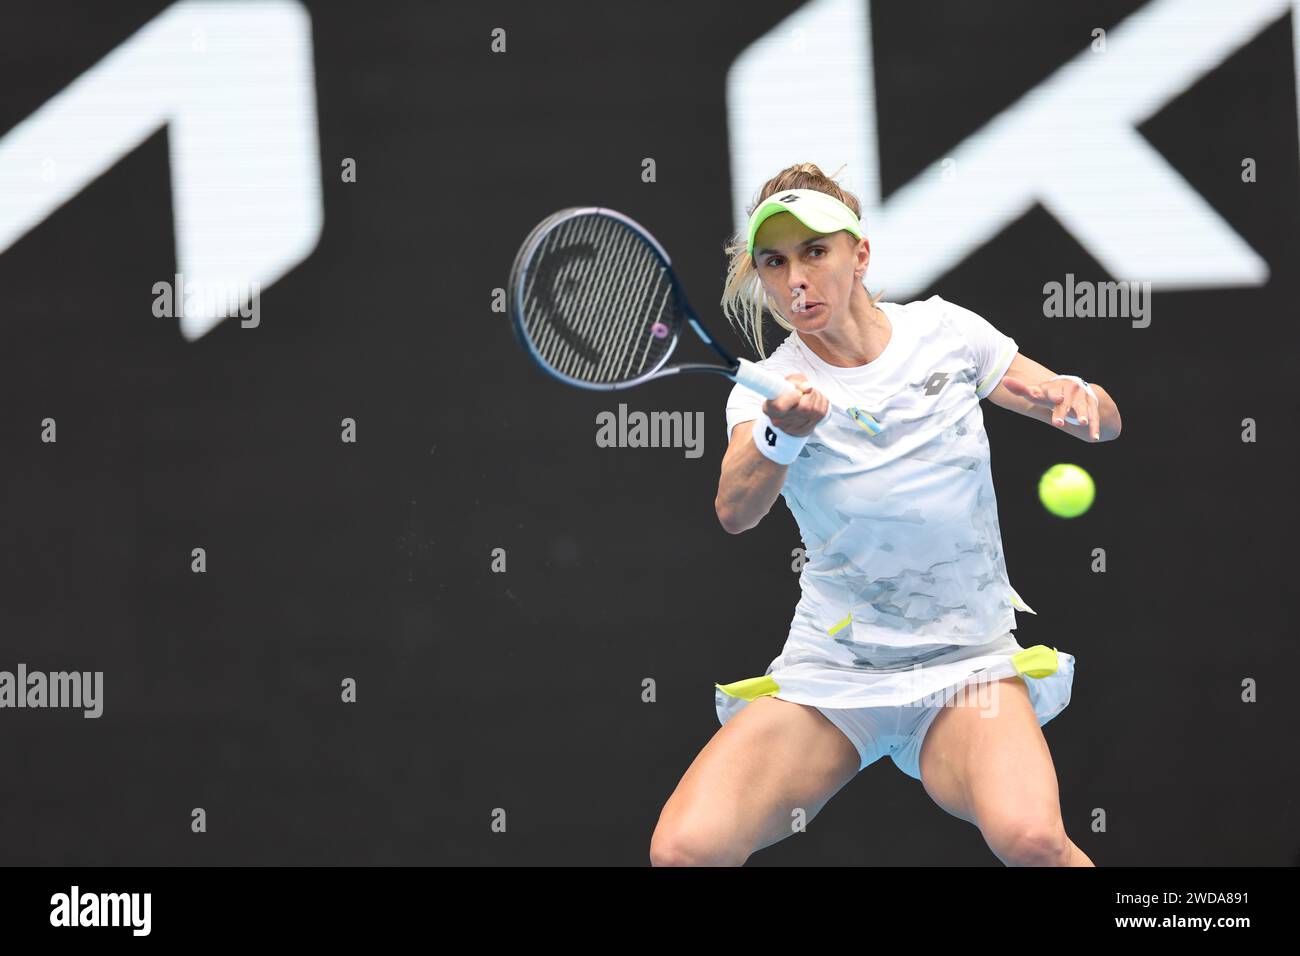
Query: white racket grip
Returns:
{"type": "Point", "coordinates": [762, 380]}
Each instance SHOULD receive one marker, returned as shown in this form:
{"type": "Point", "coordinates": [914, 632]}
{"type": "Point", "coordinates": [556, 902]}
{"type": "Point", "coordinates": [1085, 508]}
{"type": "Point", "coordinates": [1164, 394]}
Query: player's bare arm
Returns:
{"type": "Point", "coordinates": [1025, 389]}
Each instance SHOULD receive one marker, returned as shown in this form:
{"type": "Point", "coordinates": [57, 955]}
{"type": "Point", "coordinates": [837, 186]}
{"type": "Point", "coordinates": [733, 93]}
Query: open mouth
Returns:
{"type": "Point", "coordinates": [808, 307]}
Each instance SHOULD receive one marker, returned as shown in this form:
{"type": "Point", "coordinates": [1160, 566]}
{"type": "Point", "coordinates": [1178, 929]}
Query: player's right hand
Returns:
{"type": "Point", "coordinates": [797, 413]}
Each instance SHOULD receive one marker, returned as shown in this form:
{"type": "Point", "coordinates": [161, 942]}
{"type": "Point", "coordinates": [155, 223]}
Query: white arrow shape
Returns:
{"type": "Point", "coordinates": [234, 84]}
{"type": "Point", "coordinates": [806, 89]}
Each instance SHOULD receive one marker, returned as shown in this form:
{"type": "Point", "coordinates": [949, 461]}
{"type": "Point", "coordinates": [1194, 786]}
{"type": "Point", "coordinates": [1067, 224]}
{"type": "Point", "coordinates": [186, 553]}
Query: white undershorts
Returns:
{"type": "Point", "coordinates": [899, 729]}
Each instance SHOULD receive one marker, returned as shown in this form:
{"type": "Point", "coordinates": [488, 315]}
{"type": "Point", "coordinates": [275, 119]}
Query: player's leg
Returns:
{"type": "Point", "coordinates": [986, 761]}
{"type": "Point", "coordinates": [740, 793]}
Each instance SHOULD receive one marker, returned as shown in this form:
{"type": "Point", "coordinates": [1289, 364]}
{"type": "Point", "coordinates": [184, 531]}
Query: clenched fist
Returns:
{"type": "Point", "coordinates": [797, 413]}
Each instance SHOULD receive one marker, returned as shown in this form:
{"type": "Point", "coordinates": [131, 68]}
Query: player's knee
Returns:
{"type": "Point", "coordinates": [677, 846]}
{"type": "Point", "coordinates": [1030, 842]}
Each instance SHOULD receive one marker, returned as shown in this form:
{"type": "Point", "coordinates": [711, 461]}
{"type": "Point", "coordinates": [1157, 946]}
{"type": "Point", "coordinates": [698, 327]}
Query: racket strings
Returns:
{"type": "Point", "coordinates": [603, 310]}
{"type": "Point", "coordinates": [593, 295]}
{"type": "Point", "coordinates": [567, 261]}
{"type": "Point", "coordinates": [639, 273]}
{"type": "Point", "coordinates": [609, 310]}
{"type": "Point", "coordinates": [646, 290]}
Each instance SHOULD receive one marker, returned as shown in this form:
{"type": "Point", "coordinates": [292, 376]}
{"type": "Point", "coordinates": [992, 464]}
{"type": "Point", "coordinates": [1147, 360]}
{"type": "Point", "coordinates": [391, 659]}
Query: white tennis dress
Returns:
{"type": "Point", "coordinates": [905, 593]}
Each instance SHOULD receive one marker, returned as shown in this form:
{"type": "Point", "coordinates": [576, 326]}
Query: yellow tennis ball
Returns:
{"type": "Point", "coordinates": [1066, 490]}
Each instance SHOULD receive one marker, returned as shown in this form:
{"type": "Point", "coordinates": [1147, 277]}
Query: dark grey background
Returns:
{"type": "Point", "coordinates": [522, 690]}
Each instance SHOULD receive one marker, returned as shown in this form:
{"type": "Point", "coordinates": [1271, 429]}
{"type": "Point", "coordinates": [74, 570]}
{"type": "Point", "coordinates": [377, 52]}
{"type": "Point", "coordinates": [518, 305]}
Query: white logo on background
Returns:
{"type": "Point", "coordinates": [1070, 144]}
{"type": "Point", "coordinates": [234, 85]}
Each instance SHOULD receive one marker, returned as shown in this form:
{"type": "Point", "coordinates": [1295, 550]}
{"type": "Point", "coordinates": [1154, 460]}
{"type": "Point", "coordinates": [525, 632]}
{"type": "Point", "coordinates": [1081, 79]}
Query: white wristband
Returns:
{"type": "Point", "coordinates": [1078, 381]}
{"type": "Point", "coordinates": [775, 444]}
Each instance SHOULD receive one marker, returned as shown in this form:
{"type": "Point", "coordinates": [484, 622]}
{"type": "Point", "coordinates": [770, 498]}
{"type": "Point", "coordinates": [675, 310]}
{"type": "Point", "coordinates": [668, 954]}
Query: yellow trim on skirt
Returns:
{"type": "Point", "coordinates": [1038, 661]}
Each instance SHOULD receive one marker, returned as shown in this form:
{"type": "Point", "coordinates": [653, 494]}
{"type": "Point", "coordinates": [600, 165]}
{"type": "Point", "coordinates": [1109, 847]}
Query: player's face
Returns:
{"type": "Point", "coordinates": [809, 275]}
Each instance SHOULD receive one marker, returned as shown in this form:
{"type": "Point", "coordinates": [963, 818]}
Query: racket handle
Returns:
{"type": "Point", "coordinates": [771, 385]}
{"type": "Point", "coordinates": [762, 380]}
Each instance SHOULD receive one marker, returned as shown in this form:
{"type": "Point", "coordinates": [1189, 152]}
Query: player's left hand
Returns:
{"type": "Point", "coordinates": [1063, 397]}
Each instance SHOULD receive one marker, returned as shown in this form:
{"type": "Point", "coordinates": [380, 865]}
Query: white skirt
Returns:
{"type": "Point", "coordinates": [1047, 672]}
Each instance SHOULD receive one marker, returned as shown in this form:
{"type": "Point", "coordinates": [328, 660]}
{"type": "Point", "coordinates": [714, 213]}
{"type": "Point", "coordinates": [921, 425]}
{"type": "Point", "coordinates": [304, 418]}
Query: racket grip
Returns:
{"type": "Point", "coordinates": [762, 380]}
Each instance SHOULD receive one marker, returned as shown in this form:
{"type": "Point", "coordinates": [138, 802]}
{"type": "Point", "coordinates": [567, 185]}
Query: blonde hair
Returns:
{"type": "Point", "coordinates": [743, 299]}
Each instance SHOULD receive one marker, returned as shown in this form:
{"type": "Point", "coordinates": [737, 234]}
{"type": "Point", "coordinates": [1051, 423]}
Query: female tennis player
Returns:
{"type": "Point", "coordinates": [901, 641]}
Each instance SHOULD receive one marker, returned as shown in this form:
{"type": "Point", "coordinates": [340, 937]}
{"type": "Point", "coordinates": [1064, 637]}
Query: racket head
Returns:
{"type": "Point", "coordinates": [594, 300]}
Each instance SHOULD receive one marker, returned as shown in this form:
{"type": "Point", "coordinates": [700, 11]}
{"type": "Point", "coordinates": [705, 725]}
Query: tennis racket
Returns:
{"type": "Point", "coordinates": [594, 300]}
